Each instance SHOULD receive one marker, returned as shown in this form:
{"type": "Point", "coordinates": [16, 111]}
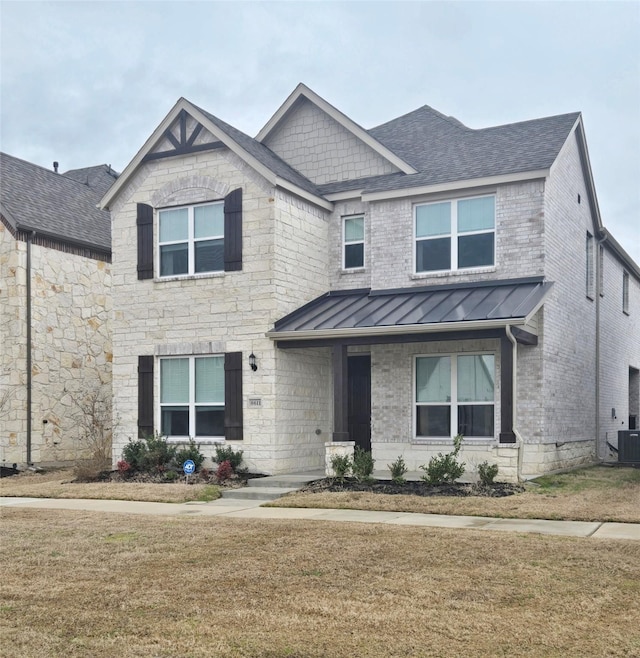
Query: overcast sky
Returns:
{"type": "Point", "coordinates": [86, 83]}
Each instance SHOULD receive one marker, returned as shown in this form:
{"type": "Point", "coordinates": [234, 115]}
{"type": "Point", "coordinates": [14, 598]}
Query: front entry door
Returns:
{"type": "Point", "coordinates": [359, 400]}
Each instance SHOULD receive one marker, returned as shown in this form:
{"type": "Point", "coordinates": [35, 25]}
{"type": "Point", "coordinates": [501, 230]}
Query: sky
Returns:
{"type": "Point", "coordinates": [86, 83]}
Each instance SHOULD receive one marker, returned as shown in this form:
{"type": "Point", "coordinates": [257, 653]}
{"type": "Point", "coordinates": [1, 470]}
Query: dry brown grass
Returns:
{"type": "Point", "coordinates": [600, 493]}
{"type": "Point", "coordinates": [59, 484]}
{"type": "Point", "coordinates": [85, 585]}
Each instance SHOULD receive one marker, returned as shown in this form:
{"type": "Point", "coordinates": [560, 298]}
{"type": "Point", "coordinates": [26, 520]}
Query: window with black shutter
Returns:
{"type": "Point", "coordinates": [145, 395]}
{"type": "Point", "coordinates": [144, 222]}
{"type": "Point", "coordinates": [233, 231]}
{"type": "Point", "coordinates": [233, 396]}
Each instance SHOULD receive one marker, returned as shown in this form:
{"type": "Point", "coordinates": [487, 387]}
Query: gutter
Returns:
{"type": "Point", "coordinates": [29, 351]}
{"type": "Point", "coordinates": [514, 388]}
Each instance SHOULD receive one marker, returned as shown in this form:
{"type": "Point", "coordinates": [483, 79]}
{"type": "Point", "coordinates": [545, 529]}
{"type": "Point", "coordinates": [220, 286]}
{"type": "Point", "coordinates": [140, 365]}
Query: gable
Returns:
{"type": "Point", "coordinates": [321, 149]}
{"type": "Point", "coordinates": [185, 135]}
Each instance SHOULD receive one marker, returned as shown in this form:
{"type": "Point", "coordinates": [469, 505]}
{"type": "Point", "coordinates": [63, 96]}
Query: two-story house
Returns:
{"type": "Point", "coordinates": [322, 284]}
{"type": "Point", "coordinates": [55, 334]}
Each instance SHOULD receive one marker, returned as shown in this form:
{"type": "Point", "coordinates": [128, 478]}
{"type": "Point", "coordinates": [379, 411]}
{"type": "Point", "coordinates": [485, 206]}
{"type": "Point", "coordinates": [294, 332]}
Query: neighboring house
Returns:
{"type": "Point", "coordinates": [55, 336]}
{"type": "Point", "coordinates": [324, 284]}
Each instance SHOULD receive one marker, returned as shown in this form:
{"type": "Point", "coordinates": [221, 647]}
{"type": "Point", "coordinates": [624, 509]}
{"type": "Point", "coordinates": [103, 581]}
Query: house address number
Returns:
{"type": "Point", "coordinates": [255, 402]}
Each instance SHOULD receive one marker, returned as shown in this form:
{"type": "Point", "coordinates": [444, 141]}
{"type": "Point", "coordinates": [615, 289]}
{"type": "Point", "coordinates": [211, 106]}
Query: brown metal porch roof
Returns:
{"type": "Point", "coordinates": [363, 312]}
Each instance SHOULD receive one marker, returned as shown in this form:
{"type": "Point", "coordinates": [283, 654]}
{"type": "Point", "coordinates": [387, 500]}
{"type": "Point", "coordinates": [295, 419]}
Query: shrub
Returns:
{"type": "Point", "coordinates": [224, 471]}
{"type": "Point", "coordinates": [134, 454]}
{"type": "Point", "coordinates": [228, 454]}
{"type": "Point", "coordinates": [341, 465]}
{"type": "Point", "coordinates": [192, 451]}
{"type": "Point", "coordinates": [445, 468]}
{"type": "Point", "coordinates": [398, 468]}
{"type": "Point", "coordinates": [171, 476]}
{"type": "Point", "coordinates": [123, 467]}
{"type": "Point", "coordinates": [487, 473]}
{"type": "Point", "coordinates": [153, 454]}
{"type": "Point", "coordinates": [362, 466]}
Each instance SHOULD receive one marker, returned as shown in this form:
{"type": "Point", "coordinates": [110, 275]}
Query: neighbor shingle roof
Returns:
{"type": "Point", "coordinates": [56, 204]}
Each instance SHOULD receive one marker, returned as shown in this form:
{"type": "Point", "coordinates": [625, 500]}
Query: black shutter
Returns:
{"type": "Point", "coordinates": [145, 395]}
{"type": "Point", "coordinates": [144, 222]}
{"type": "Point", "coordinates": [233, 231]}
{"type": "Point", "coordinates": [233, 396]}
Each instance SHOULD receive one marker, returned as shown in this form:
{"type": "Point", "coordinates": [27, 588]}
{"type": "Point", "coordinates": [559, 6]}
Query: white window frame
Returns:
{"type": "Point", "coordinates": [346, 242]}
{"type": "Point", "coordinates": [625, 292]}
{"type": "Point", "coordinates": [190, 241]}
{"type": "Point", "coordinates": [590, 273]}
{"type": "Point", "coordinates": [453, 402]}
{"type": "Point", "coordinates": [192, 404]}
{"type": "Point", "coordinates": [453, 235]}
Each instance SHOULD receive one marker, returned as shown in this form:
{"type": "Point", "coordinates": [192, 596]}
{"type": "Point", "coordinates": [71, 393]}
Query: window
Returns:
{"type": "Point", "coordinates": [455, 395]}
{"type": "Point", "coordinates": [589, 262]}
{"type": "Point", "coordinates": [455, 235]}
{"type": "Point", "coordinates": [192, 396]}
{"type": "Point", "coordinates": [625, 292]}
{"type": "Point", "coordinates": [353, 240]}
{"type": "Point", "coordinates": [191, 239]}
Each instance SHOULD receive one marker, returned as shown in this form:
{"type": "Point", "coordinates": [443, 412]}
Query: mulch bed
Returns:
{"type": "Point", "coordinates": [413, 488]}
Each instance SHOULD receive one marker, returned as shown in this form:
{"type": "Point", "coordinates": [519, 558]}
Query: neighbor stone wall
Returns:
{"type": "Point", "coordinates": [71, 350]}
{"type": "Point", "coordinates": [322, 150]}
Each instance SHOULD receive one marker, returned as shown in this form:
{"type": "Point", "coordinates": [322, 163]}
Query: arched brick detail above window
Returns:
{"type": "Point", "coordinates": [189, 190]}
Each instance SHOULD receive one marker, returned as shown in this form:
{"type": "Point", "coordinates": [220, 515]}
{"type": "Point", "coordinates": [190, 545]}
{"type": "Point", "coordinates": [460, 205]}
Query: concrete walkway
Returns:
{"type": "Point", "coordinates": [251, 509]}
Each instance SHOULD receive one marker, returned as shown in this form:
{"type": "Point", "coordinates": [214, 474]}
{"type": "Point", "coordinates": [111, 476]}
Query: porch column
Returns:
{"type": "Point", "coordinates": [340, 388]}
{"type": "Point", "coordinates": [506, 391]}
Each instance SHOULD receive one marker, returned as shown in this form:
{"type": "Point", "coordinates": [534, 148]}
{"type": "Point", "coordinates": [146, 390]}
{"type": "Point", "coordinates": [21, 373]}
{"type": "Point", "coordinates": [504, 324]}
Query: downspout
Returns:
{"type": "Point", "coordinates": [30, 237]}
{"type": "Point", "coordinates": [514, 406]}
{"type": "Point", "coordinates": [599, 276]}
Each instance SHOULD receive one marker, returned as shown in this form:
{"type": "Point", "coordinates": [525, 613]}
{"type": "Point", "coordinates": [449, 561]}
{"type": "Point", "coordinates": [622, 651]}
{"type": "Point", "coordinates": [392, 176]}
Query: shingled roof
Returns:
{"type": "Point", "coordinates": [62, 206]}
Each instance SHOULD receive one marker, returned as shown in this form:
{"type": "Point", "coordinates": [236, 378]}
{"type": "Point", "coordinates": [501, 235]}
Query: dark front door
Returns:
{"type": "Point", "coordinates": [359, 400]}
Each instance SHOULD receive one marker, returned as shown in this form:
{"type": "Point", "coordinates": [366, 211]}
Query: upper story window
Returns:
{"type": "Point", "coordinates": [625, 292]}
{"type": "Point", "coordinates": [589, 262]}
{"type": "Point", "coordinates": [455, 235]}
{"type": "Point", "coordinates": [191, 239]}
{"type": "Point", "coordinates": [353, 242]}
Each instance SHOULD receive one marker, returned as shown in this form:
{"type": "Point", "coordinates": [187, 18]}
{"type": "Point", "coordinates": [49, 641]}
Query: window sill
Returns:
{"type": "Point", "coordinates": [440, 274]}
{"type": "Point", "coordinates": [188, 277]}
{"type": "Point", "coordinates": [353, 270]}
{"type": "Point", "coordinates": [199, 441]}
{"type": "Point", "coordinates": [480, 441]}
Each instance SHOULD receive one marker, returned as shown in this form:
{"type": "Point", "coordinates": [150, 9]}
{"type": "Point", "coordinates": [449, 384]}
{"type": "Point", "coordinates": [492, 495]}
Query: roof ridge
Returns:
{"type": "Point", "coordinates": [528, 121]}
{"type": "Point", "coordinates": [450, 119]}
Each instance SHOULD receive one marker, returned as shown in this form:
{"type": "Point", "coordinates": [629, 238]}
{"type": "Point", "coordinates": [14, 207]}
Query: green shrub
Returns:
{"type": "Point", "coordinates": [341, 465]}
{"type": "Point", "coordinates": [445, 468]}
{"type": "Point", "coordinates": [134, 454]}
{"type": "Point", "coordinates": [487, 473]}
{"type": "Point", "coordinates": [228, 454]}
{"type": "Point", "coordinates": [150, 454]}
{"type": "Point", "coordinates": [398, 468]}
{"type": "Point", "coordinates": [171, 476]}
{"type": "Point", "coordinates": [362, 466]}
{"type": "Point", "coordinates": [192, 451]}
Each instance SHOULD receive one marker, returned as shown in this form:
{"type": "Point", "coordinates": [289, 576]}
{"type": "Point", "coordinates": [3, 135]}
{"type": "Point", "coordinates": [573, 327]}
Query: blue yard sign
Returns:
{"type": "Point", "coordinates": [189, 467]}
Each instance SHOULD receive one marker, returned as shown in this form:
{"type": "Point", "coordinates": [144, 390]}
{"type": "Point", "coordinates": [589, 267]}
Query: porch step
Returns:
{"type": "Point", "coordinates": [271, 487]}
{"type": "Point", "coordinates": [256, 493]}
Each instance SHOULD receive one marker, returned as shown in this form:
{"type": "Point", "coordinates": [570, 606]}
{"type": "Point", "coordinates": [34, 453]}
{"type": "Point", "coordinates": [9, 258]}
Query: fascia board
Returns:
{"type": "Point", "coordinates": [588, 173]}
{"type": "Point", "coordinates": [298, 191]}
{"type": "Point", "coordinates": [538, 306]}
{"type": "Point", "coordinates": [455, 185]}
{"type": "Point", "coordinates": [344, 196]}
{"type": "Point", "coordinates": [358, 332]}
{"type": "Point", "coordinates": [303, 91]}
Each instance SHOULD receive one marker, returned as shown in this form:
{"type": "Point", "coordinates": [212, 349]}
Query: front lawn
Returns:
{"type": "Point", "coordinates": [80, 585]}
{"type": "Point", "coordinates": [598, 493]}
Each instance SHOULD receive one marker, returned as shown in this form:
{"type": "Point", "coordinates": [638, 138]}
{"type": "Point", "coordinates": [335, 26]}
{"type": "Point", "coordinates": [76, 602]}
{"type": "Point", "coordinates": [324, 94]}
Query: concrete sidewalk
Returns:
{"type": "Point", "coordinates": [251, 509]}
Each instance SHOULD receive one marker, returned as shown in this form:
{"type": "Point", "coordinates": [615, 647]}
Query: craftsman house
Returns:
{"type": "Point", "coordinates": [322, 285]}
{"type": "Point", "coordinates": [55, 342]}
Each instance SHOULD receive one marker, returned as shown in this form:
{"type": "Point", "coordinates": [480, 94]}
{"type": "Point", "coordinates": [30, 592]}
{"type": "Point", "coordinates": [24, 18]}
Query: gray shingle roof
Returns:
{"type": "Point", "coordinates": [59, 205]}
{"type": "Point", "coordinates": [507, 300]}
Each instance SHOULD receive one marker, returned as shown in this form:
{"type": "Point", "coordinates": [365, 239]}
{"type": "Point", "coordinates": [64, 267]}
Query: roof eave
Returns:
{"type": "Point", "coordinates": [395, 330]}
{"type": "Point", "coordinates": [451, 186]}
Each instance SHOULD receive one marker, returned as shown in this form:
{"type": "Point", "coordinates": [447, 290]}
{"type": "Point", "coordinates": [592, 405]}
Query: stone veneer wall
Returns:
{"type": "Point", "coordinates": [71, 348]}
{"type": "Point", "coordinates": [322, 150]}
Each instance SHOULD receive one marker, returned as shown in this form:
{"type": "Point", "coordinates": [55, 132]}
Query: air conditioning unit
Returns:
{"type": "Point", "coordinates": [629, 447]}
